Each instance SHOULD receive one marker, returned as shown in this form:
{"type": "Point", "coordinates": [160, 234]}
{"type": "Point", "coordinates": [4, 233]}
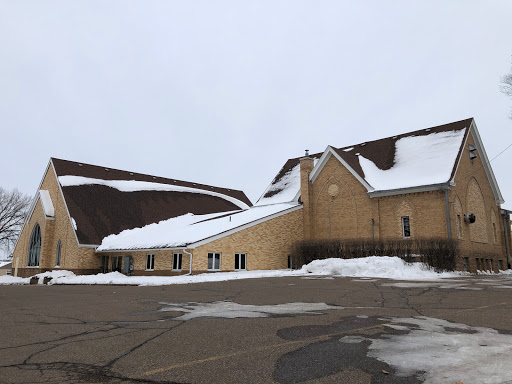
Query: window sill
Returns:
{"type": "Point", "coordinates": [32, 266]}
{"type": "Point", "coordinates": [176, 270]}
{"type": "Point", "coordinates": [213, 270]}
{"type": "Point", "coordinates": [149, 270]}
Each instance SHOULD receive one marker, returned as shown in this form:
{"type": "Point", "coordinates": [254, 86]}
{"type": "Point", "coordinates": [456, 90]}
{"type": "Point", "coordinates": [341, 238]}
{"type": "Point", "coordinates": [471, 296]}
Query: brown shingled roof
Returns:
{"type": "Point", "coordinates": [381, 152]}
{"type": "Point", "coordinates": [100, 210]}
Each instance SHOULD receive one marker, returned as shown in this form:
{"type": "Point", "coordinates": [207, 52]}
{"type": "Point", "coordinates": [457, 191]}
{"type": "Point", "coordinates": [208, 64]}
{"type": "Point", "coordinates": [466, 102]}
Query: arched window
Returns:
{"type": "Point", "coordinates": [34, 248]}
{"type": "Point", "coordinates": [57, 260]}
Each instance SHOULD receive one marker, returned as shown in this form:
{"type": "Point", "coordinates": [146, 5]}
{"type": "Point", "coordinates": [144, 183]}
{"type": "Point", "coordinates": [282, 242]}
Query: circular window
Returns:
{"type": "Point", "coordinates": [333, 190]}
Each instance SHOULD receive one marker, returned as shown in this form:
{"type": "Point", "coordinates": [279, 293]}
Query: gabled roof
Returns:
{"type": "Point", "coordinates": [414, 159]}
{"type": "Point", "coordinates": [103, 201]}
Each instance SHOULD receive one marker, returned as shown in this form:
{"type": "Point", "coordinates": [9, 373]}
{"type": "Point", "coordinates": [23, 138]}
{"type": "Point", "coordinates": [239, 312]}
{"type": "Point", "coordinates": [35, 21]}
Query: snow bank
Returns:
{"type": "Point", "coordinates": [375, 266]}
{"type": "Point", "coordinates": [186, 229]}
{"type": "Point", "coordinates": [419, 160]}
{"type": "Point", "coordinates": [134, 185]}
{"type": "Point", "coordinates": [11, 280]}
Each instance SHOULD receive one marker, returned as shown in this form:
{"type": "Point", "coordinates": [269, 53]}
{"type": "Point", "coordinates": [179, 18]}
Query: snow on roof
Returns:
{"type": "Point", "coordinates": [134, 185]}
{"type": "Point", "coordinates": [187, 229]}
{"type": "Point", "coordinates": [46, 202]}
{"type": "Point", "coordinates": [419, 160]}
{"type": "Point", "coordinates": [284, 189]}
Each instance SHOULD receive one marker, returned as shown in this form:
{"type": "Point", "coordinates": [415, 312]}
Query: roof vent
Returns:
{"type": "Point", "coordinates": [154, 177]}
{"type": "Point", "coordinates": [307, 153]}
{"type": "Point", "coordinates": [394, 137]}
{"type": "Point", "coordinates": [362, 145]}
{"type": "Point", "coordinates": [131, 173]}
{"type": "Point", "coordinates": [472, 152]}
{"type": "Point", "coordinates": [79, 165]}
{"type": "Point", "coordinates": [106, 169]}
{"type": "Point", "coordinates": [427, 130]}
{"type": "Point", "coordinates": [357, 154]}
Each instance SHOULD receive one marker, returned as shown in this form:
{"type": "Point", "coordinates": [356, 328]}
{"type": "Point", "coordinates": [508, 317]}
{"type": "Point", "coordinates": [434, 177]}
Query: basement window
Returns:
{"type": "Point", "coordinates": [406, 227]}
{"type": "Point", "coordinates": [176, 261]}
{"type": "Point", "coordinates": [213, 261]}
{"type": "Point", "coordinates": [240, 261]}
{"type": "Point", "coordinates": [150, 262]}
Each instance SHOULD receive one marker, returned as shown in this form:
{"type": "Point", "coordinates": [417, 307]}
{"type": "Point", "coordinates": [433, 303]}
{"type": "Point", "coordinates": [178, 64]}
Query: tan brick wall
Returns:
{"type": "Point", "coordinates": [72, 257]}
{"type": "Point", "coordinates": [474, 194]}
{"type": "Point", "coordinates": [267, 244]}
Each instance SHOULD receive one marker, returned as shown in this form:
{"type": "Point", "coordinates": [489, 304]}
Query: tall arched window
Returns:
{"type": "Point", "coordinates": [34, 248]}
{"type": "Point", "coordinates": [57, 260]}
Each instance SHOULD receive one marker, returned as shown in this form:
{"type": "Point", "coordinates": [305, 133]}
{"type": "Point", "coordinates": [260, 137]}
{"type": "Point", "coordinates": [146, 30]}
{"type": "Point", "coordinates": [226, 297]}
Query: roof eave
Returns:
{"type": "Point", "coordinates": [416, 189]}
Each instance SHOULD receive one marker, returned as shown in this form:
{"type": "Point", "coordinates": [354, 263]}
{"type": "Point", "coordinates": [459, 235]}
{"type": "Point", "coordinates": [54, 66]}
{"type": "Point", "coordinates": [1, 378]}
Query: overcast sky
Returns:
{"type": "Point", "coordinates": [223, 92]}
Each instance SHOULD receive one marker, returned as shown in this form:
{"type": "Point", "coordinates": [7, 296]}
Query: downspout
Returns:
{"type": "Point", "coordinates": [447, 214]}
{"type": "Point", "coordinates": [190, 267]}
{"type": "Point", "coordinates": [373, 229]}
{"type": "Point", "coordinates": [506, 240]}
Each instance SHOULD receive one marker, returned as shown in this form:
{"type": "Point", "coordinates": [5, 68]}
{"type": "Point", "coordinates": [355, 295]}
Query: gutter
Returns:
{"type": "Point", "coordinates": [503, 216]}
{"type": "Point", "coordinates": [402, 191]}
{"type": "Point", "coordinates": [190, 267]}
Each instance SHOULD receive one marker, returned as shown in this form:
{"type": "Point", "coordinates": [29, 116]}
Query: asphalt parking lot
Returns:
{"type": "Point", "coordinates": [273, 330]}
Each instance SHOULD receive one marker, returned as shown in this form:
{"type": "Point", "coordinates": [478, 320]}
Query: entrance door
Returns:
{"type": "Point", "coordinates": [117, 263]}
{"type": "Point", "coordinates": [104, 264]}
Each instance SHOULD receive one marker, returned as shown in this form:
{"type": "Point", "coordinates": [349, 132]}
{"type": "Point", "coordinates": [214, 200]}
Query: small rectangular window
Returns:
{"type": "Point", "coordinates": [213, 261]}
{"type": "Point", "coordinates": [240, 261]}
{"type": "Point", "coordinates": [150, 262]}
{"type": "Point", "coordinates": [491, 265]}
{"type": "Point", "coordinates": [500, 265]}
{"type": "Point", "coordinates": [406, 227]}
{"type": "Point", "coordinates": [176, 261]}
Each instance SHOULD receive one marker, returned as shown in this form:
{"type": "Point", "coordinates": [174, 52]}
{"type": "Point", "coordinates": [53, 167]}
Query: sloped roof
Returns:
{"type": "Point", "coordinates": [103, 201]}
{"type": "Point", "coordinates": [381, 155]}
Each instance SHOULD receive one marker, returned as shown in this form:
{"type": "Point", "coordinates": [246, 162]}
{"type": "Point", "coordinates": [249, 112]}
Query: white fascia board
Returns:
{"type": "Point", "coordinates": [242, 227]}
{"type": "Point", "coordinates": [66, 205]}
{"type": "Point", "coordinates": [403, 191]}
{"type": "Point", "coordinates": [33, 205]}
{"type": "Point", "coordinates": [149, 250]}
{"type": "Point", "coordinates": [329, 151]}
{"type": "Point", "coordinates": [486, 164]}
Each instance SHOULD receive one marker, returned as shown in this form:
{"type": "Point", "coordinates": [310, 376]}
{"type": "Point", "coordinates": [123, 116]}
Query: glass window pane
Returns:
{"type": "Point", "coordinates": [406, 226]}
{"type": "Point", "coordinates": [180, 257]}
{"type": "Point", "coordinates": [237, 264]}
{"type": "Point", "coordinates": [242, 261]}
{"type": "Point", "coordinates": [210, 260]}
{"type": "Point", "coordinates": [217, 261]}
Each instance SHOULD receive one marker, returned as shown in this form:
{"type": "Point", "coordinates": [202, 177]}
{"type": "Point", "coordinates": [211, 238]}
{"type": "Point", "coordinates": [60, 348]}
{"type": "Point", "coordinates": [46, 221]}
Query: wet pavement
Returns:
{"type": "Point", "coordinates": [273, 330]}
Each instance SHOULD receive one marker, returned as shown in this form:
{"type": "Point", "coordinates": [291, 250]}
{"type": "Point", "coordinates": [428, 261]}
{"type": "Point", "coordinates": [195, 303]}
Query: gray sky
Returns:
{"type": "Point", "coordinates": [223, 92]}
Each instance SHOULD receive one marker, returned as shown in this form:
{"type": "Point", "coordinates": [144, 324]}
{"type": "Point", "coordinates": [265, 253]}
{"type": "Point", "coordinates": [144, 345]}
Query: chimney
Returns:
{"type": "Point", "coordinates": [306, 166]}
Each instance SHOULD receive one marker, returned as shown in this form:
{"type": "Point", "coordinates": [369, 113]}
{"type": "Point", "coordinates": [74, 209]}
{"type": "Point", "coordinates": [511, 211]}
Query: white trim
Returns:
{"type": "Point", "coordinates": [64, 200]}
{"type": "Point", "coordinates": [147, 255]}
{"type": "Point", "coordinates": [245, 261]}
{"type": "Point", "coordinates": [486, 164]}
{"type": "Point", "coordinates": [177, 269]}
{"type": "Point", "coordinates": [329, 151]}
{"type": "Point", "coordinates": [33, 205]}
{"type": "Point", "coordinates": [403, 191]}
{"type": "Point", "coordinates": [241, 227]}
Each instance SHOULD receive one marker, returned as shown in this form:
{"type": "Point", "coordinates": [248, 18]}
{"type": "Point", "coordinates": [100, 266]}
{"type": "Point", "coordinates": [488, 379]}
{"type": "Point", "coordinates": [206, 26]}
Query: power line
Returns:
{"type": "Point", "coordinates": [510, 145]}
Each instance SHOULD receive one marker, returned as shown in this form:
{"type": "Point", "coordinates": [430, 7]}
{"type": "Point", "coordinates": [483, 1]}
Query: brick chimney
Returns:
{"type": "Point", "coordinates": [306, 166]}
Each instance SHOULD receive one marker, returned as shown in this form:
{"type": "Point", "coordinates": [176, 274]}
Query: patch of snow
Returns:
{"type": "Point", "coordinates": [375, 266]}
{"type": "Point", "coordinates": [286, 187]}
{"type": "Point", "coordinates": [46, 202]}
{"type": "Point", "coordinates": [439, 351]}
{"type": "Point", "coordinates": [231, 310]}
{"type": "Point", "coordinates": [134, 185]}
{"type": "Point", "coordinates": [348, 149]}
{"type": "Point", "coordinates": [352, 339]}
{"type": "Point", "coordinates": [11, 280]}
{"type": "Point", "coordinates": [186, 229]}
{"type": "Point", "coordinates": [73, 223]}
{"type": "Point", "coordinates": [419, 160]}
{"type": "Point", "coordinates": [2, 263]}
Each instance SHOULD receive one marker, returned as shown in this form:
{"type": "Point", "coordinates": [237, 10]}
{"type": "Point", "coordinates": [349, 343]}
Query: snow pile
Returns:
{"type": "Point", "coordinates": [55, 274]}
{"type": "Point", "coordinates": [4, 262]}
{"type": "Point", "coordinates": [375, 266]}
{"type": "Point", "coordinates": [419, 160]}
{"type": "Point", "coordinates": [187, 229]}
{"type": "Point", "coordinates": [442, 352]}
{"type": "Point", "coordinates": [134, 185]}
{"type": "Point", "coordinates": [11, 280]}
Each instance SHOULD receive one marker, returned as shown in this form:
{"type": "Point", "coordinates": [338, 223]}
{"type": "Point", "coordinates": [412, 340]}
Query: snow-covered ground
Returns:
{"type": "Point", "coordinates": [382, 267]}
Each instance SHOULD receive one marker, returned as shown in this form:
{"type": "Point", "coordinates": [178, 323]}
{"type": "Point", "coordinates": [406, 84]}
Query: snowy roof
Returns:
{"type": "Point", "coordinates": [46, 202]}
{"type": "Point", "coordinates": [188, 229]}
{"type": "Point", "coordinates": [418, 158]}
{"type": "Point", "coordinates": [104, 201]}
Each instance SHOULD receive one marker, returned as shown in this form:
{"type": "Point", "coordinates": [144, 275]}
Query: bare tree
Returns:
{"type": "Point", "coordinates": [506, 86]}
{"type": "Point", "coordinates": [13, 208]}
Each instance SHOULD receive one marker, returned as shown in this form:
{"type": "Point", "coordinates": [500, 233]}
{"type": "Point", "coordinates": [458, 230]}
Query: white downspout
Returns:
{"type": "Point", "coordinates": [190, 268]}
